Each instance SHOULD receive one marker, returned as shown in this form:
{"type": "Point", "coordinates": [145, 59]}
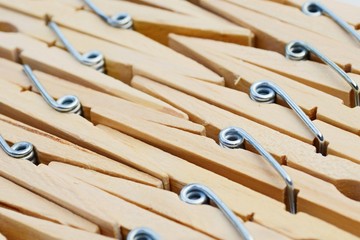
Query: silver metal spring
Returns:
{"type": "Point", "coordinates": [120, 20]}
{"type": "Point", "coordinates": [299, 50]}
{"type": "Point", "coordinates": [142, 233]}
{"type": "Point", "coordinates": [93, 59]}
{"type": "Point", "coordinates": [198, 194]}
{"type": "Point", "coordinates": [316, 8]}
{"type": "Point", "coordinates": [266, 91]}
{"type": "Point", "coordinates": [20, 150]}
{"type": "Point", "coordinates": [233, 138]}
{"type": "Point", "coordinates": [65, 104]}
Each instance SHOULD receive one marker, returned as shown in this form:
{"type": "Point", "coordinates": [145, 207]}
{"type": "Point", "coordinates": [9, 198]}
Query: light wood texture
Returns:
{"type": "Point", "coordinates": [157, 23]}
{"type": "Point", "coordinates": [24, 201]}
{"type": "Point", "coordinates": [348, 12]}
{"type": "Point", "coordinates": [73, 128]}
{"type": "Point", "coordinates": [89, 98]}
{"type": "Point", "coordinates": [152, 22]}
{"type": "Point", "coordinates": [113, 215]}
{"type": "Point", "coordinates": [51, 148]}
{"type": "Point", "coordinates": [84, 24]}
{"type": "Point", "coordinates": [202, 218]}
{"type": "Point", "coordinates": [274, 34]}
{"type": "Point", "coordinates": [240, 75]}
{"type": "Point", "coordinates": [321, 25]}
{"type": "Point", "coordinates": [243, 201]}
{"type": "Point", "coordinates": [282, 118]}
{"type": "Point", "coordinates": [38, 56]}
{"type": "Point", "coordinates": [285, 149]}
{"type": "Point", "coordinates": [21, 227]}
{"type": "Point", "coordinates": [227, 191]}
{"type": "Point", "coordinates": [206, 219]}
{"type": "Point", "coordinates": [310, 73]}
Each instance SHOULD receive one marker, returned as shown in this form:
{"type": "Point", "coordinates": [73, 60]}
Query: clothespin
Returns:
{"type": "Point", "coordinates": [205, 219]}
{"type": "Point", "coordinates": [146, 17]}
{"type": "Point", "coordinates": [24, 201]}
{"type": "Point", "coordinates": [37, 55]}
{"type": "Point", "coordinates": [90, 99]}
{"type": "Point", "coordinates": [274, 34]}
{"type": "Point", "coordinates": [42, 116]}
{"type": "Point", "coordinates": [348, 12]}
{"type": "Point", "coordinates": [287, 147]}
{"type": "Point", "coordinates": [15, 225]}
{"type": "Point", "coordinates": [310, 73]}
{"type": "Point", "coordinates": [113, 215]}
{"type": "Point", "coordinates": [258, 216]}
{"type": "Point", "coordinates": [242, 75]}
{"type": "Point", "coordinates": [50, 148]}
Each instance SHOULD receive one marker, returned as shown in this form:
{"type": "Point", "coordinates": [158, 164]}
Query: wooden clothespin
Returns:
{"type": "Point", "coordinates": [91, 99]}
{"type": "Point", "coordinates": [148, 17]}
{"type": "Point", "coordinates": [85, 24]}
{"type": "Point", "coordinates": [49, 148]}
{"type": "Point", "coordinates": [241, 75]}
{"type": "Point", "coordinates": [297, 154]}
{"type": "Point", "coordinates": [260, 215]}
{"type": "Point", "coordinates": [346, 11]}
{"type": "Point", "coordinates": [37, 55]}
{"type": "Point", "coordinates": [114, 216]}
{"type": "Point", "coordinates": [26, 202]}
{"type": "Point", "coordinates": [274, 34]}
{"type": "Point", "coordinates": [15, 225]}
{"type": "Point", "coordinates": [155, 162]}
{"type": "Point", "coordinates": [201, 218]}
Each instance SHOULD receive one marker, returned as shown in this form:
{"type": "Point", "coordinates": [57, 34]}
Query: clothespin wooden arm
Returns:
{"type": "Point", "coordinates": [24, 201]}
{"type": "Point", "coordinates": [19, 226]}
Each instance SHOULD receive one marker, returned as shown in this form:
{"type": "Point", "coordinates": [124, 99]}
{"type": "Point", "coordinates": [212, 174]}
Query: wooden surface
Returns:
{"type": "Point", "coordinates": [12, 222]}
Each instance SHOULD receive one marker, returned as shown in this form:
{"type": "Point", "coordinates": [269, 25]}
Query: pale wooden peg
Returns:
{"type": "Point", "coordinates": [243, 201]}
{"type": "Point", "coordinates": [274, 34]}
{"type": "Point", "coordinates": [348, 12]}
{"type": "Point", "coordinates": [38, 56]}
{"type": "Point", "coordinates": [234, 196]}
{"type": "Point", "coordinates": [183, 7]}
{"type": "Point", "coordinates": [24, 201]}
{"type": "Point", "coordinates": [240, 75]}
{"type": "Point", "coordinates": [50, 148]}
{"type": "Point", "coordinates": [287, 150]}
{"type": "Point", "coordinates": [158, 23]}
{"type": "Point", "coordinates": [87, 24]}
{"type": "Point", "coordinates": [312, 191]}
{"type": "Point", "coordinates": [310, 73]}
{"type": "Point", "coordinates": [202, 218]}
{"type": "Point", "coordinates": [19, 226]}
{"type": "Point", "coordinates": [327, 201]}
{"type": "Point", "coordinates": [114, 216]}
{"type": "Point", "coordinates": [89, 98]}
{"type": "Point", "coordinates": [320, 25]}
{"type": "Point", "coordinates": [74, 128]}
{"type": "Point", "coordinates": [145, 17]}
{"type": "Point", "coordinates": [283, 119]}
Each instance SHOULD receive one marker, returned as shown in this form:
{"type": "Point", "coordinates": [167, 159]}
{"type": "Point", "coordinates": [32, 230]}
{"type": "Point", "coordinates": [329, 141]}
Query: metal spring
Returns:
{"type": "Point", "coordinates": [20, 150]}
{"type": "Point", "coordinates": [142, 233]}
{"type": "Point", "coordinates": [198, 194]}
{"type": "Point", "coordinates": [66, 104]}
{"type": "Point", "coordinates": [266, 91]}
{"type": "Point", "coordinates": [119, 20]}
{"type": "Point", "coordinates": [233, 137]}
{"type": "Point", "coordinates": [299, 50]}
{"type": "Point", "coordinates": [315, 8]}
{"type": "Point", "coordinates": [93, 59]}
